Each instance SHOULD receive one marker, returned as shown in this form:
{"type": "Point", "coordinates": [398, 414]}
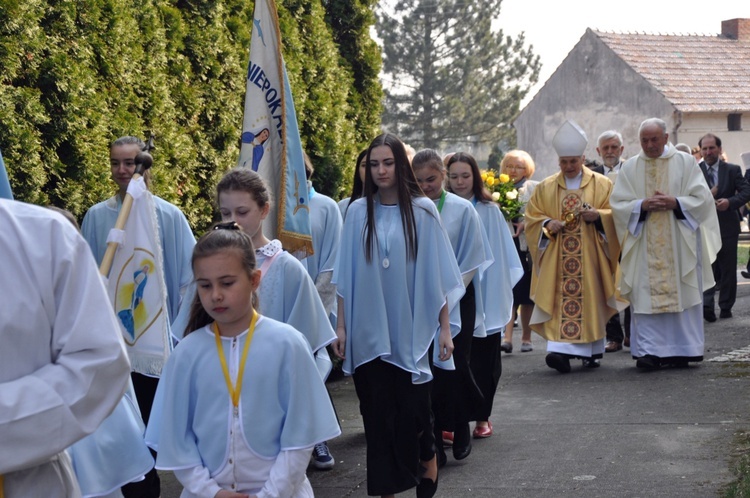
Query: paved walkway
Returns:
{"type": "Point", "coordinates": [613, 431]}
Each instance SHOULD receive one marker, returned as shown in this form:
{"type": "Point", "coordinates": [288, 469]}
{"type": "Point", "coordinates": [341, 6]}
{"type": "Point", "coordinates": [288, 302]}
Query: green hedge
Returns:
{"type": "Point", "coordinates": [76, 74]}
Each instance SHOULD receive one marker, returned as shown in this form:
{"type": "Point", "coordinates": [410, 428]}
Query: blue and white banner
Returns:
{"type": "Point", "coordinates": [5, 190]}
{"type": "Point", "coordinates": [270, 135]}
{"type": "Point", "coordinates": [136, 285]}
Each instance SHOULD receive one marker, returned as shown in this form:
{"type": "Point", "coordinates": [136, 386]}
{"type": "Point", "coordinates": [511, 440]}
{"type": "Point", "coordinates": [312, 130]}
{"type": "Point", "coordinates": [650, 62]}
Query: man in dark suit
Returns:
{"type": "Point", "coordinates": [609, 147]}
{"type": "Point", "coordinates": [731, 192]}
{"type": "Point", "coordinates": [746, 164]}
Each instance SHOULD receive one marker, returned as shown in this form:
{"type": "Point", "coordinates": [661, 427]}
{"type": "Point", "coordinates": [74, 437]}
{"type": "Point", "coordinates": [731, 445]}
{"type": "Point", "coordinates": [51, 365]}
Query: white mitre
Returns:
{"type": "Point", "coordinates": [570, 140]}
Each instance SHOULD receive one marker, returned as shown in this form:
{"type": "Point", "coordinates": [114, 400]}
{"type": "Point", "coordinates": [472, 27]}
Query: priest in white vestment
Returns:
{"type": "Point", "coordinates": [669, 233]}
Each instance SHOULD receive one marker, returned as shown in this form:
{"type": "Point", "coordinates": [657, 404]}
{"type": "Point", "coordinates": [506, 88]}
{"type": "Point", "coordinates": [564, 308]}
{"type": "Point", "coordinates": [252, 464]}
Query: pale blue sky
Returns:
{"type": "Point", "coordinates": [553, 27]}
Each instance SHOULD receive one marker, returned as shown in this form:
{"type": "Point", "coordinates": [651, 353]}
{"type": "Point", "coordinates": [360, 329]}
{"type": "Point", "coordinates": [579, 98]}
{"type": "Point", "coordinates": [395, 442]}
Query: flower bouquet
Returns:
{"type": "Point", "coordinates": [503, 192]}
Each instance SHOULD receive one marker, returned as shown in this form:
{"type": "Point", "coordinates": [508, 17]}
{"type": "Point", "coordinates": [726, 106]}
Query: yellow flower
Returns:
{"type": "Point", "coordinates": [484, 176]}
{"type": "Point", "coordinates": [511, 194]}
{"type": "Point", "coordinates": [490, 181]}
{"type": "Point", "coordinates": [504, 178]}
{"type": "Point", "coordinates": [495, 196]}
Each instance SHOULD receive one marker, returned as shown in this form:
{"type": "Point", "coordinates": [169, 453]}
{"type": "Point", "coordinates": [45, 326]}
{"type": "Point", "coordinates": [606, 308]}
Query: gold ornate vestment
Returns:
{"type": "Point", "coordinates": [573, 280]}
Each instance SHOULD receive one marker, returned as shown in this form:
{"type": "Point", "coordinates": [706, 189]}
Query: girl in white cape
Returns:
{"type": "Point", "coordinates": [397, 280]}
{"type": "Point", "coordinates": [230, 418]}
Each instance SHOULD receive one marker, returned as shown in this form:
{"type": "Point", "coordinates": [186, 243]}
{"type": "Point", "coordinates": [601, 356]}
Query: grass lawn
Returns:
{"type": "Point", "coordinates": [740, 455]}
{"type": "Point", "coordinates": [742, 254]}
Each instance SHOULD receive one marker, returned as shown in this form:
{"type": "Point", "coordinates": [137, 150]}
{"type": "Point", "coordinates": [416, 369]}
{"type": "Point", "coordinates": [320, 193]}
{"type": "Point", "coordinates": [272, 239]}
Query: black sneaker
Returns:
{"type": "Point", "coordinates": [559, 362]}
{"type": "Point", "coordinates": [590, 363]}
{"type": "Point", "coordinates": [725, 314]}
{"type": "Point", "coordinates": [461, 441]}
{"type": "Point", "coordinates": [676, 362]}
{"type": "Point", "coordinates": [648, 362]}
{"type": "Point", "coordinates": [709, 315]}
{"type": "Point", "coordinates": [322, 458]}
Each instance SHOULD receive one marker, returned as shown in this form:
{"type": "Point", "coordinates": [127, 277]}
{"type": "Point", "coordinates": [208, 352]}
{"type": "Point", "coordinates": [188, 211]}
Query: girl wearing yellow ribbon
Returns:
{"type": "Point", "coordinates": [231, 419]}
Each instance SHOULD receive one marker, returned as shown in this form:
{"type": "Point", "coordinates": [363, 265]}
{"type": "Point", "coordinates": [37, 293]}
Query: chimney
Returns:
{"type": "Point", "coordinates": [736, 29]}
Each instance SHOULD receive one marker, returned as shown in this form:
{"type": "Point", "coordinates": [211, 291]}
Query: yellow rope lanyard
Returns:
{"type": "Point", "coordinates": [234, 390]}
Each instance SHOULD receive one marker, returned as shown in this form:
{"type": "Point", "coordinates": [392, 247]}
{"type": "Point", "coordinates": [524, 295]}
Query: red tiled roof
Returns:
{"type": "Point", "coordinates": [697, 73]}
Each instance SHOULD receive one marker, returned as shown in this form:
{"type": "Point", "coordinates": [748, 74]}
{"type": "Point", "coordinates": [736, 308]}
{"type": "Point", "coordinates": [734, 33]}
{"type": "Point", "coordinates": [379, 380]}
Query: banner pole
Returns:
{"type": "Point", "coordinates": [143, 161]}
{"type": "Point", "coordinates": [122, 219]}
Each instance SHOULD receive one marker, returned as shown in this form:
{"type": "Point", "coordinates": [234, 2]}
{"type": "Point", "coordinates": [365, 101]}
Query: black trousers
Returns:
{"type": "Point", "coordinates": [487, 367]}
{"type": "Point", "coordinates": [725, 274]}
{"type": "Point", "coordinates": [614, 329]}
{"type": "Point", "coordinates": [455, 393]}
{"type": "Point", "coordinates": [398, 426]}
{"type": "Point", "coordinates": [150, 486]}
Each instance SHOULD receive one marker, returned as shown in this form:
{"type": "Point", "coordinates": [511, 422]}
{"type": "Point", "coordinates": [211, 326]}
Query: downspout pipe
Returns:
{"type": "Point", "coordinates": [677, 115]}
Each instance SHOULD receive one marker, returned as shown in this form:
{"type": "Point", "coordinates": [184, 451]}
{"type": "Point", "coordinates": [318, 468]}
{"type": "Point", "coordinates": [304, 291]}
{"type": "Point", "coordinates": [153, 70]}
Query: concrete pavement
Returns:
{"type": "Point", "coordinates": [614, 431]}
{"type": "Point", "coordinates": [611, 431]}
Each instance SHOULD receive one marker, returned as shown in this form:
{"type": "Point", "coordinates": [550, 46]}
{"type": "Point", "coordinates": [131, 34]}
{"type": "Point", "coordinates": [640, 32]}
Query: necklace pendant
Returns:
{"type": "Point", "coordinates": [386, 263]}
{"type": "Point", "coordinates": [236, 411]}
